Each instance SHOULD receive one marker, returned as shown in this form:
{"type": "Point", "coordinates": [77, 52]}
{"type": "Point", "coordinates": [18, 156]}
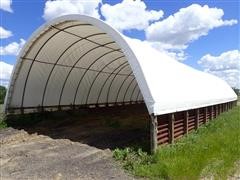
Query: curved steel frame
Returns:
{"type": "Point", "coordinates": [119, 89]}
{"type": "Point", "coordinates": [110, 87]}
{"type": "Point", "coordinates": [50, 74]}
{"type": "Point", "coordinates": [139, 92]}
{"type": "Point", "coordinates": [65, 81]}
{"type": "Point", "coordinates": [63, 30]}
{"type": "Point", "coordinates": [87, 71]}
{"type": "Point", "coordinates": [122, 67]}
{"type": "Point", "coordinates": [72, 67]}
{"type": "Point", "coordinates": [98, 75]}
{"type": "Point", "coordinates": [124, 96]}
{"type": "Point", "coordinates": [25, 83]}
{"type": "Point", "coordinates": [136, 85]}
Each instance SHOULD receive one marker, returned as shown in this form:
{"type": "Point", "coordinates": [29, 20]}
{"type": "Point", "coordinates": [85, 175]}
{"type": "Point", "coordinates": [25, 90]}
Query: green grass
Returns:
{"type": "Point", "coordinates": [3, 123]}
{"type": "Point", "coordinates": [212, 150]}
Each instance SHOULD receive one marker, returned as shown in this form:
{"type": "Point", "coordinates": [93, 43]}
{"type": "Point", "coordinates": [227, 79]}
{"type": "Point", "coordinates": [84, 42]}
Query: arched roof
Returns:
{"type": "Point", "coordinates": [80, 60]}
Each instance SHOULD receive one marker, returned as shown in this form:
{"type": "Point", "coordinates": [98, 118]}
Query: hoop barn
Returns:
{"type": "Point", "coordinates": [77, 61]}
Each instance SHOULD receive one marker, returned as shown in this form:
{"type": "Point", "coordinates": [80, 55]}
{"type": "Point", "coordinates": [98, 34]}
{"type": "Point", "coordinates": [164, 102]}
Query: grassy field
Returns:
{"type": "Point", "coordinates": [212, 151]}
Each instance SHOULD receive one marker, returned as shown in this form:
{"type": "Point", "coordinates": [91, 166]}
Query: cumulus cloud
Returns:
{"type": "Point", "coordinates": [186, 25]}
{"type": "Point", "coordinates": [177, 54]}
{"type": "Point", "coordinates": [129, 14]}
{"type": "Point", "coordinates": [225, 66]}
{"type": "Point", "coordinates": [5, 73]}
{"type": "Point", "coordinates": [6, 5]}
{"type": "Point", "coordinates": [4, 33]}
{"type": "Point", "coordinates": [12, 48]}
{"type": "Point", "coordinates": [57, 8]}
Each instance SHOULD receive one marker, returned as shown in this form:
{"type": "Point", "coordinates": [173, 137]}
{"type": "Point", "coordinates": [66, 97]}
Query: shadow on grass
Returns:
{"type": "Point", "coordinates": [115, 127]}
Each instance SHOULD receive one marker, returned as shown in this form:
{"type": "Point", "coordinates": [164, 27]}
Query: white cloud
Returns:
{"type": "Point", "coordinates": [6, 5]}
{"type": "Point", "coordinates": [177, 54]}
{"type": "Point", "coordinates": [4, 33]}
{"type": "Point", "coordinates": [5, 73]}
{"type": "Point", "coordinates": [186, 25]}
{"type": "Point", "coordinates": [12, 48]}
{"type": "Point", "coordinates": [225, 66]}
{"type": "Point", "coordinates": [57, 8]}
{"type": "Point", "coordinates": [129, 14]}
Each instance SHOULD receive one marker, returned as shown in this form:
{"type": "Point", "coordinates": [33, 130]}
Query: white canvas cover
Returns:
{"type": "Point", "coordinates": [80, 60]}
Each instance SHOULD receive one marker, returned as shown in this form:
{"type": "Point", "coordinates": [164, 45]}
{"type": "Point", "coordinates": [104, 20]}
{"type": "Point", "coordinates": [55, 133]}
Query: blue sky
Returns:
{"type": "Point", "coordinates": [212, 48]}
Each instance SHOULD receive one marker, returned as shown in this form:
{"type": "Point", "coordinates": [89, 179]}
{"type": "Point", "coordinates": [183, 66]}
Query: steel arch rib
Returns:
{"type": "Point", "coordinates": [122, 67]}
{"type": "Point", "coordinates": [26, 80]}
{"type": "Point", "coordinates": [64, 83]}
{"type": "Point", "coordinates": [119, 89]}
{"type": "Point", "coordinates": [54, 65]}
{"type": "Point", "coordinates": [128, 88]}
{"type": "Point", "coordinates": [111, 86]}
{"type": "Point", "coordinates": [136, 85]}
{"type": "Point", "coordinates": [99, 74]}
{"type": "Point", "coordinates": [138, 94]}
{"type": "Point", "coordinates": [109, 52]}
{"type": "Point", "coordinates": [87, 39]}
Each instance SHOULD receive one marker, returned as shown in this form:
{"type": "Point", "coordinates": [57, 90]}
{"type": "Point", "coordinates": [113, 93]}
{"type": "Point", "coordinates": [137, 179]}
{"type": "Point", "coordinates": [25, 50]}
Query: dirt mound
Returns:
{"type": "Point", "coordinates": [33, 156]}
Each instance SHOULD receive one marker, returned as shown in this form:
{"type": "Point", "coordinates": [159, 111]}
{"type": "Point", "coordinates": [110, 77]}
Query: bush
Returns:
{"type": "Point", "coordinates": [3, 91]}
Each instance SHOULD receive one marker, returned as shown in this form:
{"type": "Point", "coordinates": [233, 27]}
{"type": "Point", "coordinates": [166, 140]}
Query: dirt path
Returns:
{"type": "Point", "coordinates": [32, 156]}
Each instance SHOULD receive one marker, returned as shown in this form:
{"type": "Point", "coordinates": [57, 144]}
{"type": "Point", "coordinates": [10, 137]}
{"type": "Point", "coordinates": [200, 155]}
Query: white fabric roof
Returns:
{"type": "Point", "coordinates": [80, 60]}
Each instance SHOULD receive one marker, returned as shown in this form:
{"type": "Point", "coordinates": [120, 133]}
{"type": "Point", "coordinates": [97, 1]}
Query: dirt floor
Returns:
{"type": "Point", "coordinates": [70, 145]}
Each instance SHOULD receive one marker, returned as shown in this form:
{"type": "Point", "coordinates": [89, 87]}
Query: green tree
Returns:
{"type": "Point", "coordinates": [237, 91]}
{"type": "Point", "coordinates": [3, 91]}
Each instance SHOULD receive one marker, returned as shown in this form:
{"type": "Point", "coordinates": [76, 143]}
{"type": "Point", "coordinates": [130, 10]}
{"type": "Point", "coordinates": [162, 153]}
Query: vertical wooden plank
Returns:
{"type": "Point", "coordinates": [205, 115]}
{"type": "Point", "coordinates": [211, 113]}
{"type": "Point", "coordinates": [196, 118]}
{"type": "Point", "coordinates": [171, 127]}
{"type": "Point", "coordinates": [186, 114]}
{"type": "Point", "coordinates": [153, 133]}
{"type": "Point", "coordinates": [215, 110]}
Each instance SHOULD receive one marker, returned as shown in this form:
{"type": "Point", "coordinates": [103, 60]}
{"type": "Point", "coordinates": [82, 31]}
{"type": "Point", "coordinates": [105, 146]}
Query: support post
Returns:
{"type": "Point", "coordinates": [171, 128]}
{"type": "Point", "coordinates": [153, 133]}
{"type": "Point", "coordinates": [211, 113]}
{"type": "Point", "coordinates": [215, 111]}
{"type": "Point", "coordinates": [196, 119]}
{"type": "Point", "coordinates": [22, 110]}
{"type": "Point", "coordinates": [186, 114]}
{"type": "Point", "coordinates": [205, 115]}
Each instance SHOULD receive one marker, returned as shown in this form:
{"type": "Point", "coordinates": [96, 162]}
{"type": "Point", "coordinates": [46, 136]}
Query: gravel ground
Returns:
{"type": "Point", "coordinates": [33, 156]}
